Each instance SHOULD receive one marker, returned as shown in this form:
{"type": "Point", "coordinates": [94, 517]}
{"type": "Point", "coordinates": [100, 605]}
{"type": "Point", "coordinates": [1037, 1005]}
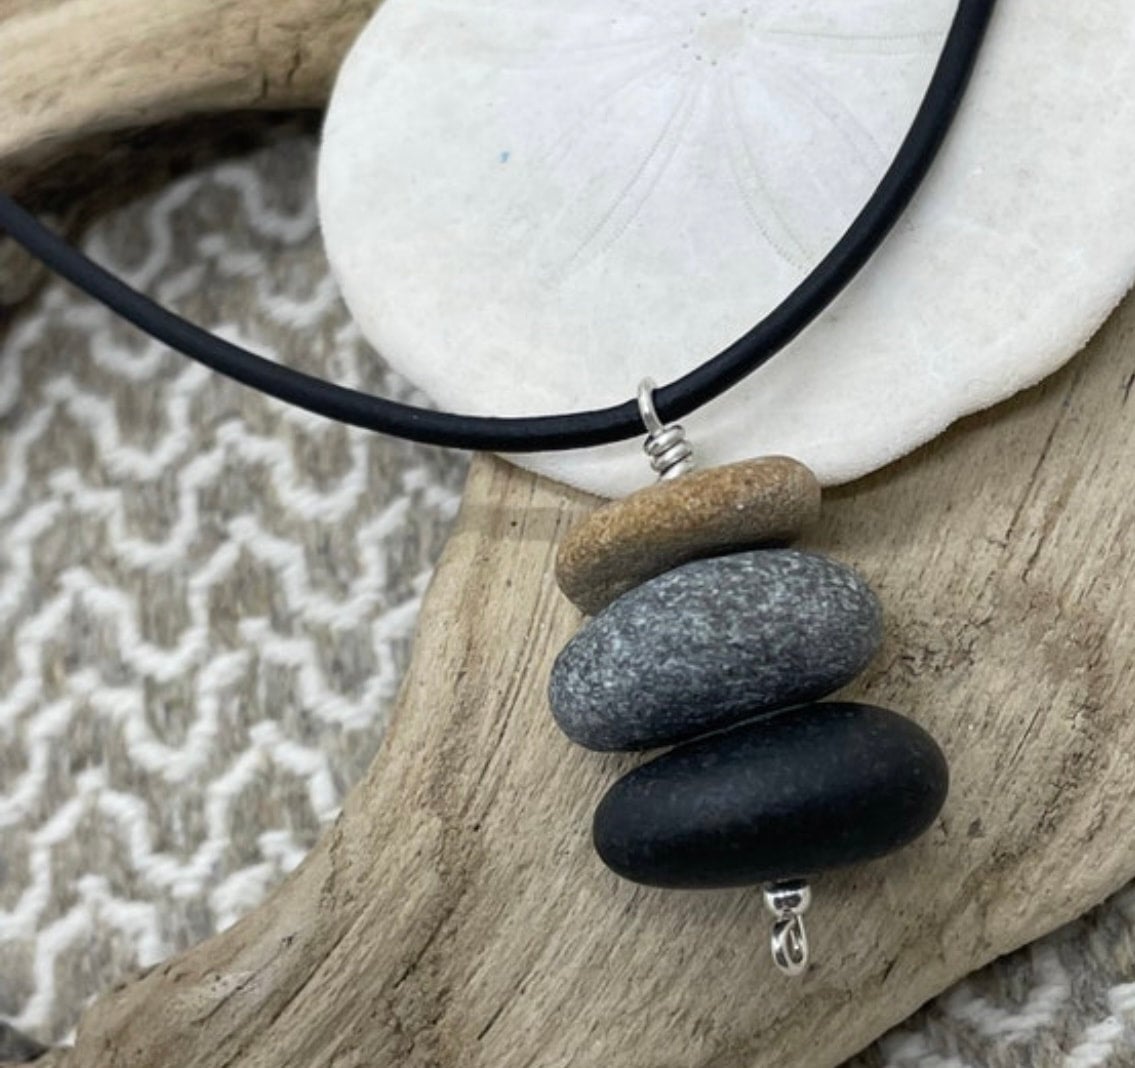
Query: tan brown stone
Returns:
{"type": "Point", "coordinates": [705, 513]}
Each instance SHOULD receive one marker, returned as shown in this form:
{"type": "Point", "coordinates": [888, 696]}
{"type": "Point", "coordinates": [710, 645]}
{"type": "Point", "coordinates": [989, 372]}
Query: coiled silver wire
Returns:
{"type": "Point", "coordinates": [670, 454]}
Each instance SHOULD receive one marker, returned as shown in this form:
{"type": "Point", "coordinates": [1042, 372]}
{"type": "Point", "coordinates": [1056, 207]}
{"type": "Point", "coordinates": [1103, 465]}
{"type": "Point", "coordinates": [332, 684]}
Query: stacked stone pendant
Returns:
{"type": "Point", "coordinates": [709, 635]}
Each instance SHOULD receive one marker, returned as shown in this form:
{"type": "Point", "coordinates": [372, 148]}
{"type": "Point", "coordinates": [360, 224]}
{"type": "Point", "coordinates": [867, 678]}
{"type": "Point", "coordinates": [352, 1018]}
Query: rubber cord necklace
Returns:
{"type": "Point", "coordinates": [578, 429]}
{"type": "Point", "coordinates": [764, 785]}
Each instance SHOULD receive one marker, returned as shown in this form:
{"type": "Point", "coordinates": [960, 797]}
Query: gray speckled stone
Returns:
{"type": "Point", "coordinates": [712, 643]}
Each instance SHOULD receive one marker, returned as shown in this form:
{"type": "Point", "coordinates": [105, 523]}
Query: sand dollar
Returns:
{"type": "Point", "coordinates": [531, 206]}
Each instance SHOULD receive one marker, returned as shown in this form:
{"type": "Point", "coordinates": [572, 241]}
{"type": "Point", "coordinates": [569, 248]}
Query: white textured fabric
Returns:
{"type": "Point", "coordinates": [206, 597]}
{"type": "Point", "coordinates": [205, 600]}
{"type": "Point", "coordinates": [531, 207]}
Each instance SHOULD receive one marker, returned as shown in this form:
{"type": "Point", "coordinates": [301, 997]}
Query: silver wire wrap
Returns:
{"type": "Point", "coordinates": [671, 455]}
{"type": "Point", "coordinates": [789, 944]}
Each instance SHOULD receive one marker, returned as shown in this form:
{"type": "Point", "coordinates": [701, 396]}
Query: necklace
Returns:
{"type": "Point", "coordinates": [701, 815]}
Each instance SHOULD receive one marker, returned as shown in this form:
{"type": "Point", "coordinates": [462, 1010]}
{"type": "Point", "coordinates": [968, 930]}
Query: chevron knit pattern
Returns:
{"type": "Point", "coordinates": [205, 607]}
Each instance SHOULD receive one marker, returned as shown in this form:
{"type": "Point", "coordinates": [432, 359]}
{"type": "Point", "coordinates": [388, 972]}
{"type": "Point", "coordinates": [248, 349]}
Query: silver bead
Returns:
{"type": "Point", "coordinates": [670, 453]}
{"type": "Point", "coordinates": [789, 943]}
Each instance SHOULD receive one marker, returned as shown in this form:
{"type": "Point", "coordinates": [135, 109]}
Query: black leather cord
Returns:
{"type": "Point", "coordinates": [576, 429]}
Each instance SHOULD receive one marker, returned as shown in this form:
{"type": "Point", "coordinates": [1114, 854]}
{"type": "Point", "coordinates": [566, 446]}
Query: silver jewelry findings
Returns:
{"type": "Point", "coordinates": [671, 455]}
{"type": "Point", "coordinates": [788, 902]}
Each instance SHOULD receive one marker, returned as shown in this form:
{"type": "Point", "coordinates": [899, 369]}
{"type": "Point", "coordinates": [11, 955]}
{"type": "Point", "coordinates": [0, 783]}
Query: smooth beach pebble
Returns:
{"type": "Point", "coordinates": [705, 513]}
{"type": "Point", "coordinates": [711, 643]}
{"type": "Point", "coordinates": [788, 796]}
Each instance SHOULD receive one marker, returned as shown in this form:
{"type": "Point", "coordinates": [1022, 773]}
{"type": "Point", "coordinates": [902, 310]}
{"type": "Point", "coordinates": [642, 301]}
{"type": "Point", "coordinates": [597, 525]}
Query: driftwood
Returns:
{"type": "Point", "coordinates": [73, 69]}
{"type": "Point", "coordinates": [455, 915]}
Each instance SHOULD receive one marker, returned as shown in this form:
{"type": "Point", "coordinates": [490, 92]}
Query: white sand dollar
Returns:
{"type": "Point", "coordinates": [531, 206]}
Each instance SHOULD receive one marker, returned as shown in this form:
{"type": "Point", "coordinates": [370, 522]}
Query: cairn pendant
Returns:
{"type": "Point", "coordinates": [710, 634]}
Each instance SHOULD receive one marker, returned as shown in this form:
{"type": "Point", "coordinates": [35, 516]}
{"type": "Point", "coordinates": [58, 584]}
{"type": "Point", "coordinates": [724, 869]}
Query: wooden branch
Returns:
{"type": "Point", "coordinates": [456, 916]}
{"type": "Point", "coordinates": [75, 68]}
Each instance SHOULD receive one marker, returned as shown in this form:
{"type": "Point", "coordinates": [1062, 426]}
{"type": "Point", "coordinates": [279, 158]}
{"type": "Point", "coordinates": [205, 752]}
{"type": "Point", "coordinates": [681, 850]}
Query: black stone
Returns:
{"type": "Point", "coordinates": [782, 797]}
{"type": "Point", "coordinates": [712, 643]}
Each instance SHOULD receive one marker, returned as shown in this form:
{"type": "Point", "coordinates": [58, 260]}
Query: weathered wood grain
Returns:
{"type": "Point", "coordinates": [71, 69]}
{"type": "Point", "coordinates": [455, 915]}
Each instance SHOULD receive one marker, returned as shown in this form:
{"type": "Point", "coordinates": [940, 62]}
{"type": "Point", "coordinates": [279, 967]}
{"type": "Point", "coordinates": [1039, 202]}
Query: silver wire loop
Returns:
{"type": "Point", "coordinates": [670, 453]}
{"type": "Point", "coordinates": [789, 946]}
{"type": "Point", "coordinates": [646, 409]}
{"type": "Point", "coordinates": [789, 943]}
